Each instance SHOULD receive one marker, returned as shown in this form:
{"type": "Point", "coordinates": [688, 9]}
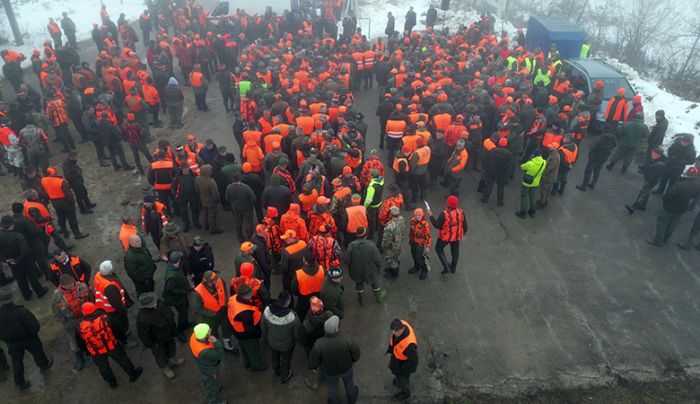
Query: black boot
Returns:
{"type": "Point", "coordinates": [520, 213]}
{"type": "Point", "coordinates": [581, 187]}
{"type": "Point", "coordinates": [562, 186]}
{"type": "Point", "coordinates": [630, 209]}
{"type": "Point", "coordinates": [423, 273]}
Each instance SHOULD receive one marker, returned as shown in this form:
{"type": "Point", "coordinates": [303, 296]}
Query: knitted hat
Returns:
{"type": "Point", "coordinates": [452, 201]}
{"type": "Point", "coordinates": [88, 308]}
{"type": "Point", "coordinates": [106, 267]}
{"type": "Point", "coordinates": [331, 325]}
{"type": "Point", "coordinates": [175, 256]}
{"type": "Point", "coordinates": [247, 269]}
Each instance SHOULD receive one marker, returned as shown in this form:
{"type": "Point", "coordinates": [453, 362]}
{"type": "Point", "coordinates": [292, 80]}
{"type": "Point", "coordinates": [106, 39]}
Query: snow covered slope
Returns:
{"type": "Point", "coordinates": [33, 16]}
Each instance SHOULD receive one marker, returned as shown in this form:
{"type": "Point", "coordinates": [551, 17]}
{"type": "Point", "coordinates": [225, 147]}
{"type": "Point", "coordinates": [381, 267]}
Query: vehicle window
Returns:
{"type": "Point", "coordinates": [578, 80]}
{"type": "Point", "coordinates": [220, 9]}
{"type": "Point", "coordinates": [610, 86]}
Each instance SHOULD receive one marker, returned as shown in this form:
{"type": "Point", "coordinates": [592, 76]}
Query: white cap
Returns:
{"type": "Point", "coordinates": [106, 267]}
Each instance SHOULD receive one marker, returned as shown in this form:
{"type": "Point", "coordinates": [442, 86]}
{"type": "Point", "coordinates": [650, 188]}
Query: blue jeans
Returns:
{"type": "Point", "coordinates": [351, 391]}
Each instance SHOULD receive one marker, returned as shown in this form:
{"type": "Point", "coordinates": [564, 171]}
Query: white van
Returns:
{"type": "Point", "coordinates": [223, 9]}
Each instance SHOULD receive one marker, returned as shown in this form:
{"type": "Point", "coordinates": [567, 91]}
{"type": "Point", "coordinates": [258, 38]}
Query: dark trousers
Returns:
{"type": "Point", "coordinates": [66, 213]}
{"type": "Point", "coordinates": [500, 189]}
{"type": "Point", "coordinates": [100, 150]}
{"type": "Point", "coordinates": [155, 110]}
{"type": "Point", "coordinates": [136, 150]}
{"type": "Point", "coordinates": [418, 257]}
{"type": "Point", "coordinates": [183, 321]}
{"type": "Point", "coordinates": [250, 348]}
{"type": "Point", "coordinates": [17, 350]}
{"type": "Point", "coordinates": [527, 198]}
{"type": "Point", "coordinates": [227, 99]}
{"type": "Point", "coordinates": [453, 182]}
{"type": "Point", "coordinates": [367, 76]}
{"type": "Point", "coordinates": [119, 324]}
{"type": "Point", "coordinates": [402, 383]}
{"type": "Point", "coordinates": [418, 185]}
{"type": "Point", "coordinates": [669, 178]}
{"type": "Point", "coordinates": [454, 251]}
{"type": "Point", "coordinates": [187, 207]}
{"type": "Point", "coordinates": [78, 123]}
{"type": "Point", "coordinates": [643, 196]}
{"type": "Point", "coordinates": [26, 274]}
{"type": "Point", "coordinates": [665, 225]}
{"type": "Point", "coordinates": [116, 150]}
{"type": "Point", "coordinates": [243, 224]}
{"type": "Point", "coordinates": [118, 355]}
{"type": "Point", "coordinates": [592, 170]}
{"type": "Point", "coordinates": [81, 197]}
{"type": "Point", "coordinates": [281, 361]}
{"type": "Point", "coordinates": [144, 286]}
{"type": "Point", "coordinates": [392, 145]}
{"type": "Point", "coordinates": [624, 153]}
{"type": "Point", "coordinates": [201, 101]}
{"type": "Point", "coordinates": [64, 137]}
{"type": "Point", "coordinates": [175, 112]}
{"type": "Point", "coordinates": [351, 391]}
{"type": "Point", "coordinates": [162, 351]}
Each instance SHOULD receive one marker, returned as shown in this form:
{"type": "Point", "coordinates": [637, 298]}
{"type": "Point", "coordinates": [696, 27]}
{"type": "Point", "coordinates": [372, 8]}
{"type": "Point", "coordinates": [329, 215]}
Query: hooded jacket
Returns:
{"type": "Point", "coordinates": [280, 326]}
{"type": "Point", "coordinates": [206, 188]}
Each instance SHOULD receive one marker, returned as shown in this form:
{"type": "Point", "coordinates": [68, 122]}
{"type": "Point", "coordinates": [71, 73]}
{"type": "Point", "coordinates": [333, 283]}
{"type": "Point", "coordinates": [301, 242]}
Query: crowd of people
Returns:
{"type": "Point", "coordinates": [310, 203]}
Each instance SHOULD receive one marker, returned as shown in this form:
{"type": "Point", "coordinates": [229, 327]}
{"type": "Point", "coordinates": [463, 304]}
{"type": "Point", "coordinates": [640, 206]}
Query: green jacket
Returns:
{"type": "Point", "coordinates": [334, 354]}
{"type": "Point", "coordinates": [632, 133]}
{"type": "Point", "coordinates": [209, 360]}
{"type": "Point", "coordinates": [363, 260]}
{"type": "Point", "coordinates": [332, 297]}
{"type": "Point", "coordinates": [139, 264]}
{"type": "Point", "coordinates": [280, 327]}
{"type": "Point", "coordinates": [534, 167]}
{"type": "Point", "coordinates": [175, 286]}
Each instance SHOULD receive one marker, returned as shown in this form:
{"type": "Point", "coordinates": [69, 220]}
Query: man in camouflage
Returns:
{"type": "Point", "coordinates": [394, 235]}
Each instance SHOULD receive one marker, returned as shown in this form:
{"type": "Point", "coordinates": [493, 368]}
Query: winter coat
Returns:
{"type": "Point", "coordinates": [202, 260]}
{"type": "Point", "coordinates": [632, 133]}
{"type": "Point", "coordinates": [405, 367]}
{"type": "Point", "coordinates": [363, 260]}
{"type": "Point", "coordinates": [332, 297]}
{"type": "Point", "coordinates": [551, 170]}
{"type": "Point", "coordinates": [393, 238]}
{"type": "Point", "coordinates": [497, 164]}
{"type": "Point", "coordinates": [600, 148]}
{"type": "Point", "coordinates": [390, 26]}
{"type": "Point", "coordinates": [276, 195]}
{"type": "Point", "coordinates": [174, 95]}
{"type": "Point", "coordinates": [175, 287]}
{"type": "Point", "coordinates": [281, 327]}
{"type": "Point", "coordinates": [109, 134]}
{"type": "Point", "coordinates": [334, 354]}
{"type": "Point", "coordinates": [206, 188]}
{"type": "Point", "coordinates": [18, 324]}
{"type": "Point", "coordinates": [174, 242]}
{"type": "Point", "coordinates": [679, 156]}
{"type": "Point", "coordinates": [656, 137]}
{"type": "Point", "coordinates": [155, 326]}
{"type": "Point", "coordinates": [139, 264]}
{"type": "Point", "coordinates": [241, 197]}
{"type": "Point", "coordinates": [654, 170]}
{"type": "Point", "coordinates": [73, 174]}
{"type": "Point", "coordinates": [678, 198]}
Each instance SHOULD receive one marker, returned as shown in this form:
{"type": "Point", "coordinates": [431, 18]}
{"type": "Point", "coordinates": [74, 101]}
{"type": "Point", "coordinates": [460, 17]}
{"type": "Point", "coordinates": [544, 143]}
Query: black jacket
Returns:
{"type": "Point", "coordinates": [678, 199]}
{"type": "Point", "coordinates": [202, 260]}
{"type": "Point", "coordinates": [656, 137]}
{"type": "Point", "coordinates": [31, 232]}
{"type": "Point", "coordinates": [155, 326]}
{"type": "Point", "coordinates": [497, 163]}
{"type": "Point", "coordinates": [276, 195]}
{"type": "Point", "coordinates": [679, 156]}
{"type": "Point", "coordinates": [600, 148]}
{"type": "Point", "coordinates": [18, 324]}
{"type": "Point", "coordinates": [110, 136]}
{"type": "Point", "coordinates": [654, 170]}
{"type": "Point", "coordinates": [73, 174]}
{"type": "Point", "coordinates": [403, 368]}
{"type": "Point", "coordinates": [14, 246]}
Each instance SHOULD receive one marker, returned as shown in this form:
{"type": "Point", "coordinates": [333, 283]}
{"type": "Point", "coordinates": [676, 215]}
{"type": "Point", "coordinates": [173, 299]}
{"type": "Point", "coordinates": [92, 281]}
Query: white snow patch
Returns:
{"type": "Point", "coordinates": [33, 16]}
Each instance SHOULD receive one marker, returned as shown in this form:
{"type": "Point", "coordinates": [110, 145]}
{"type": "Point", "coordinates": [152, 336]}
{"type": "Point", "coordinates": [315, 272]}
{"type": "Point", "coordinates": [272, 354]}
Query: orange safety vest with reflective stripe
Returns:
{"type": "Point", "coordinates": [395, 128]}
{"type": "Point", "coordinates": [160, 209]}
{"type": "Point", "coordinates": [190, 160]}
{"type": "Point", "coordinates": [452, 229]}
{"type": "Point", "coordinates": [73, 262]}
{"type": "Point", "coordinates": [53, 186]}
{"type": "Point", "coordinates": [310, 284]}
{"type": "Point", "coordinates": [101, 283]}
{"type": "Point", "coordinates": [162, 175]}
{"type": "Point", "coordinates": [209, 302]}
{"type": "Point", "coordinates": [197, 346]}
{"type": "Point", "coordinates": [235, 308]}
{"type": "Point", "coordinates": [369, 59]}
{"type": "Point", "coordinates": [400, 347]}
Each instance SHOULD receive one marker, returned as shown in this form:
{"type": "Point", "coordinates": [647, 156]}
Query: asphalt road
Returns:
{"type": "Point", "coordinates": [572, 297]}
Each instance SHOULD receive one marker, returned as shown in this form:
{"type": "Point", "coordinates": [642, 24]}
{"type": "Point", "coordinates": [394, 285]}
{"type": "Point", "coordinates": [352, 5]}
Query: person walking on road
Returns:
{"type": "Point", "coordinates": [676, 201]}
{"type": "Point", "coordinates": [403, 347]}
{"type": "Point", "coordinates": [139, 265]}
{"type": "Point", "coordinates": [452, 226]}
{"type": "Point", "coordinates": [280, 326]}
{"type": "Point", "coordinates": [334, 354]}
{"type": "Point", "coordinates": [365, 262]}
{"type": "Point", "coordinates": [155, 325]}
{"type": "Point", "coordinates": [208, 353]}
{"type": "Point", "coordinates": [532, 175]}
{"type": "Point", "coordinates": [20, 332]}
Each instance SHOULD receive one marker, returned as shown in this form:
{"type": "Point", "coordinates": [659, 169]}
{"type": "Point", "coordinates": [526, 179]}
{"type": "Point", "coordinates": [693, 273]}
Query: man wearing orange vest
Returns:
{"type": "Point", "coordinates": [208, 353]}
{"type": "Point", "coordinates": [55, 32]}
{"type": "Point", "coordinates": [452, 226]}
{"type": "Point", "coordinates": [210, 306]}
{"type": "Point", "coordinates": [403, 347]}
{"type": "Point", "coordinates": [112, 297]}
{"type": "Point", "coordinates": [70, 265]}
{"type": "Point", "coordinates": [307, 283]}
{"type": "Point", "coordinates": [161, 176]}
{"type": "Point", "coordinates": [292, 257]}
{"type": "Point", "coordinates": [61, 196]}
{"type": "Point", "coordinates": [368, 61]}
{"type": "Point", "coordinates": [154, 217]}
{"type": "Point", "coordinates": [395, 129]}
{"type": "Point", "coordinates": [418, 169]}
{"type": "Point", "coordinates": [568, 155]}
{"type": "Point", "coordinates": [352, 218]}
{"type": "Point", "coordinates": [245, 317]}
{"type": "Point", "coordinates": [455, 166]}
{"type": "Point", "coordinates": [127, 229]}
{"type": "Point", "coordinates": [98, 334]}
{"type": "Point", "coordinates": [199, 84]}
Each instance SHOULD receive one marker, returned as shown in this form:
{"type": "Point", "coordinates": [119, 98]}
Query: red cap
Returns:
{"type": "Point", "coordinates": [598, 84]}
{"type": "Point", "coordinates": [621, 91]}
{"type": "Point", "coordinates": [347, 170]}
{"type": "Point", "coordinates": [88, 308]}
{"type": "Point", "coordinates": [247, 167]}
{"type": "Point", "coordinates": [637, 99]}
{"type": "Point", "coordinates": [452, 201]}
{"type": "Point", "coordinates": [502, 142]}
{"type": "Point", "coordinates": [272, 211]}
{"type": "Point", "coordinates": [130, 117]}
{"type": "Point", "coordinates": [294, 207]}
{"type": "Point", "coordinates": [191, 137]}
